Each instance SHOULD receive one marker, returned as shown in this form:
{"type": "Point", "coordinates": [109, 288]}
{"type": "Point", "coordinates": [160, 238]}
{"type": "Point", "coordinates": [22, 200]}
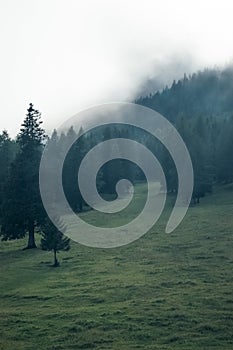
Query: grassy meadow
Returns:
{"type": "Point", "coordinates": [164, 291]}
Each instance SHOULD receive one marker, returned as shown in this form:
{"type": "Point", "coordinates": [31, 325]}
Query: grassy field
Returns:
{"type": "Point", "coordinates": [164, 291]}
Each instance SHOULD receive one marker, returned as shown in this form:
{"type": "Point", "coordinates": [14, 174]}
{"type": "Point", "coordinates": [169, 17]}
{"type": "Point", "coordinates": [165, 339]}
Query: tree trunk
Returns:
{"type": "Point", "coordinates": [81, 205]}
{"type": "Point", "coordinates": [31, 237]}
{"type": "Point", "coordinates": [56, 262]}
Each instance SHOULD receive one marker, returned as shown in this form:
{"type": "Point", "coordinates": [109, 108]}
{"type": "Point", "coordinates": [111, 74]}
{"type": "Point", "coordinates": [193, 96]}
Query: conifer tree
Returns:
{"type": "Point", "coordinates": [53, 240]}
{"type": "Point", "coordinates": [22, 208]}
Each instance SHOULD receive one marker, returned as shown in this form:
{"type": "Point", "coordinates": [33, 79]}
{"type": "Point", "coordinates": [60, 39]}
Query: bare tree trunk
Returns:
{"type": "Point", "coordinates": [31, 237]}
{"type": "Point", "coordinates": [56, 262]}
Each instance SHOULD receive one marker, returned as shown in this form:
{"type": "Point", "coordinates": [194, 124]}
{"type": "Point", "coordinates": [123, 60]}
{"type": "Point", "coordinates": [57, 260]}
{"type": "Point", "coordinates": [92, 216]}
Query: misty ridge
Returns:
{"type": "Point", "coordinates": [204, 93]}
{"type": "Point", "coordinates": [199, 105]}
{"type": "Point", "coordinates": [116, 175]}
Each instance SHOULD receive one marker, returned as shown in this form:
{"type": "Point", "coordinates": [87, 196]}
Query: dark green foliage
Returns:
{"type": "Point", "coordinates": [117, 169]}
{"type": "Point", "coordinates": [109, 174]}
{"type": "Point", "coordinates": [202, 94]}
{"type": "Point", "coordinates": [201, 109]}
{"type": "Point", "coordinates": [71, 166]}
{"type": "Point", "coordinates": [224, 152]}
{"type": "Point", "coordinates": [22, 208]}
{"type": "Point", "coordinates": [53, 240]}
{"type": "Point", "coordinates": [31, 134]}
{"type": "Point", "coordinates": [8, 149]}
{"type": "Point", "coordinates": [208, 139]}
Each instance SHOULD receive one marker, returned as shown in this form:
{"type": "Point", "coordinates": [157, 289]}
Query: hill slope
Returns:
{"type": "Point", "coordinates": [206, 93]}
{"type": "Point", "coordinates": [161, 292]}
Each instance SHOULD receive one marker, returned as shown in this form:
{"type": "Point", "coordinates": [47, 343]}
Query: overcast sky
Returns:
{"type": "Point", "coordinates": [66, 55]}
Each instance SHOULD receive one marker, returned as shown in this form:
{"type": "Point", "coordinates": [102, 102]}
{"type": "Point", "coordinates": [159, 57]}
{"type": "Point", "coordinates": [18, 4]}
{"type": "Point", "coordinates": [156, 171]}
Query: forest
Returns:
{"type": "Point", "coordinates": [163, 291]}
{"type": "Point", "coordinates": [200, 107]}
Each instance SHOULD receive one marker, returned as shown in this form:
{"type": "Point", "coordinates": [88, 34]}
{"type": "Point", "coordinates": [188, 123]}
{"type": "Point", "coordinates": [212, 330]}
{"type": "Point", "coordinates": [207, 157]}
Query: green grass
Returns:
{"type": "Point", "coordinates": [164, 291]}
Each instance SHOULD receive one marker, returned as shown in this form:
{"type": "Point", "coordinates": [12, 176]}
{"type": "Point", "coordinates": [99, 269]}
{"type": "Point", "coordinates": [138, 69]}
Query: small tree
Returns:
{"type": "Point", "coordinates": [53, 240]}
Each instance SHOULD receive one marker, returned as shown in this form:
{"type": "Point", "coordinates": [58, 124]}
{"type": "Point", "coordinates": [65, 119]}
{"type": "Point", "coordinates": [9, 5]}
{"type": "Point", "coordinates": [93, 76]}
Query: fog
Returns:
{"type": "Point", "coordinates": [64, 56]}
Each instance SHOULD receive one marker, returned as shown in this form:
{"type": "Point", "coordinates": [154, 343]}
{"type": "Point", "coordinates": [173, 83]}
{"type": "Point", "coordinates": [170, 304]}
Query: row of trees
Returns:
{"type": "Point", "coordinates": [209, 141]}
{"type": "Point", "coordinates": [205, 93]}
{"type": "Point", "coordinates": [208, 137]}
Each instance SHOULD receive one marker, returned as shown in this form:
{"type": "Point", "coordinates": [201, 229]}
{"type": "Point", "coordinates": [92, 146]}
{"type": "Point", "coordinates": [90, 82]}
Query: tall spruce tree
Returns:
{"type": "Point", "coordinates": [22, 208]}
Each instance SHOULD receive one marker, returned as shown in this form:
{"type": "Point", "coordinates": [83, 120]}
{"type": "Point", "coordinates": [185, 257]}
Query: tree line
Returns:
{"type": "Point", "coordinates": [201, 108]}
{"type": "Point", "coordinates": [207, 134]}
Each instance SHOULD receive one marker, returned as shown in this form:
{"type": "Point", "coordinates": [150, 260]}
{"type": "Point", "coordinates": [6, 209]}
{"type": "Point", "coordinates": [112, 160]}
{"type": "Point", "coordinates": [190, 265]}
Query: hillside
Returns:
{"type": "Point", "coordinates": [161, 292]}
{"type": "Point", "coordinates": [205, 93]}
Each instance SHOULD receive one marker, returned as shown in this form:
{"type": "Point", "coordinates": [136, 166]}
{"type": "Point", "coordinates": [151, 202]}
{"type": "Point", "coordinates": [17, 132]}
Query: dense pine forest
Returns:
{"type": "Point", "coordinates": [164, 291]}
{"type": "Point", "coordinates": [201, 108]}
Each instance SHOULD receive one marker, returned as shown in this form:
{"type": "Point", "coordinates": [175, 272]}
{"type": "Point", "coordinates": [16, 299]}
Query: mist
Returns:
{"type": "Point", "coordinates": [67, 56]}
